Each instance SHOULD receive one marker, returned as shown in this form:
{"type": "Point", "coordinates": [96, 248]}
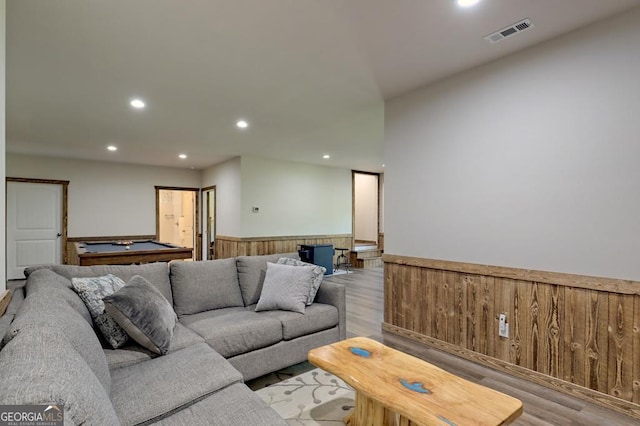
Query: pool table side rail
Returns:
{"type": "Point", "coordinates": [83, 258]}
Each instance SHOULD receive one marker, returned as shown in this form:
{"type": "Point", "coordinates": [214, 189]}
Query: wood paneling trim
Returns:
{"type": "Point", "coordinates": [227, 246]}
{"type": "Point", "coordinates": [560, 329]}
{"type": "Point", "coordinates": [284, 238]}
{"type": "Point", "coordinates": [605, 400]}
{"type": "Point", "coordinates": [612, 285]}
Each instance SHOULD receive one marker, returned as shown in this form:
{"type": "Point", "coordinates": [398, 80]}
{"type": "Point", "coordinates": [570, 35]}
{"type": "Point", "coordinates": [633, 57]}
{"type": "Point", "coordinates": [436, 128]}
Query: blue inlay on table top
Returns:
{"type": "Point", "coordinates": [415, 386]}
{"type": "Point", "coordinates": [447, 421]}
{"type": "Point", "coordinates": [360, 352]}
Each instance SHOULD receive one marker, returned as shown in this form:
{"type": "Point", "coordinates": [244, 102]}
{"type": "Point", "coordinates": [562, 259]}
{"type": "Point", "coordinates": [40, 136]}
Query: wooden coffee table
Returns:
{"type": "Point", "coordinates": [393, 388]}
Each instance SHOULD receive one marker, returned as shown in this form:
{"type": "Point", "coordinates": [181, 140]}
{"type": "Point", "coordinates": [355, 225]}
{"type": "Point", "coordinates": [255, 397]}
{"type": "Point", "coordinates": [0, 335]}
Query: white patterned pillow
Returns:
{"type": "Point", "coordinates": [285, 287]}
{"type": "Point", "coordinates": [92, 290]}
{"type": "Point", "coordinates": [316, 276]}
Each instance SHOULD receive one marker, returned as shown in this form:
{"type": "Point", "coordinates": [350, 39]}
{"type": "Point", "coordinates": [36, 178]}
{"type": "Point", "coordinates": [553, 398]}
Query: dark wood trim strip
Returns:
{"type": "Point", "coordinates": [608, 401]}
{"type": "Point", "coordinates": [28, 180]}
{"type": "Point", "coordinates": [611, 285]}
{"type": "Point", "coordinates": [111, 238]}
{"type": "Point", "coordinates": [176, 188]}
{"type": "Point", "coordinates": [282, 238]}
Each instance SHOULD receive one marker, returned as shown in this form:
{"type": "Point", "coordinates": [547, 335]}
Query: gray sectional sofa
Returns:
{"type": "Point", "coordinates": [53, 354]}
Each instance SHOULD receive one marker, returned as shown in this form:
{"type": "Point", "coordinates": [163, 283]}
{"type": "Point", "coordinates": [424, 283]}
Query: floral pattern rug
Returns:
{"type": "Point", "coordinates": [312, 398]}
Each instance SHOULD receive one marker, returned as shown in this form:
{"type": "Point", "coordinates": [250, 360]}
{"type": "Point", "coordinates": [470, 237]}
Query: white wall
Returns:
{"type": "Point", "coordinates": [3, 236]}
{"type": "Point", "coordinates": [227, 177]}
{"type": "Point", "coordinates": [530, 161]}
{"type": "Point", "coordinates": [294, 198]}
{"type": "Point", "coordinates": [366, 207]}
{"type": "Point", "coordinates": [105, 199]}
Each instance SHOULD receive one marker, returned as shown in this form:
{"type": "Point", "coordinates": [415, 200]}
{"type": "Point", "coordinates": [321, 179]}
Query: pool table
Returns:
{"type": "Point", "coordinates": [119, 253]}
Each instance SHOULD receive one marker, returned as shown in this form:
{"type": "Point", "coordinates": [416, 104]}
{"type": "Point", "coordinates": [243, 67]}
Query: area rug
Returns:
{"type": "Point", "coordinates": [312, 398]}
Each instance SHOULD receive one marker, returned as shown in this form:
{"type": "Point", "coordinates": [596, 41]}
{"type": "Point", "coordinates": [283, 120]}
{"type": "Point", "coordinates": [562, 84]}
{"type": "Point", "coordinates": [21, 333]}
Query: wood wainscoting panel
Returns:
{"type": "Point", "coordinates": [255, 246]}
{"type": "Point", "coordinates": [573, 333]}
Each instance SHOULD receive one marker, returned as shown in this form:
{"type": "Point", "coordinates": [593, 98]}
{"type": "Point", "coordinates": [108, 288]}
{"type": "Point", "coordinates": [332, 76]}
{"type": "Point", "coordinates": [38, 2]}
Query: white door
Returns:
{"type": "Point", "coordinates": [34, 226]}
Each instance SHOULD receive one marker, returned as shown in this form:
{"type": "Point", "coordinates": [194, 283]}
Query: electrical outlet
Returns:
{"type": "Point", "coordinates": [503, 326]}
{"type": "Point", "coordinates": [255, 209]}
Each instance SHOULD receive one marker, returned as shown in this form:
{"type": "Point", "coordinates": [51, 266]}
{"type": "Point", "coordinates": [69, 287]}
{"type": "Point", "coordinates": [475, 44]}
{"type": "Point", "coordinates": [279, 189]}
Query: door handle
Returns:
{"type": "Point", "coordinates": [59, 235]}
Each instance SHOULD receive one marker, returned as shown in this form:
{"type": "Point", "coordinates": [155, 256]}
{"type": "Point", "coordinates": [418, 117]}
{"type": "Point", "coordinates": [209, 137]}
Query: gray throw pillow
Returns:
{"type": "Point", "coordinates": [144, 313]}
{"type": "Point", "coordinates": [92, 290]}
{"type": "Point", "coordinates": [316, 276]}
{"type": "Point", "coordinates": [285, 287]}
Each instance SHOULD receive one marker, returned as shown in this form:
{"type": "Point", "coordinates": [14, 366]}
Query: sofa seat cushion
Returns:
{"type": "Point", "coordinates": [39, 366]}
{"type": "Point", "coordinates": [235, 331]}
{"type": "Point", "coordinates": [317, 317]}
{"type": "Point", "coordinates": [134, 353]}
{"type": "Point", "coordinates": [205, 285]}
{"type": "Point", "coordinates": [153, 389]}
{"type": "Point", "coordinates": [233, 405]}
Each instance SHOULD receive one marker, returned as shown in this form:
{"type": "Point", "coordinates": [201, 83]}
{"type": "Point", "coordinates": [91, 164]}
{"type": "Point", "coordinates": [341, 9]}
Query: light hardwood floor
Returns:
{"type": "Point", "coordinates": [542, 406]}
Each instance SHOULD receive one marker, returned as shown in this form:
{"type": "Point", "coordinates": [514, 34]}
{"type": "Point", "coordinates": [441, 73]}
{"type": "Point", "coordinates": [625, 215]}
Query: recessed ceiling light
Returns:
{"type": "Point", "coordinates": [467, 3]}
{"type": "Point", "coordinates": [137, 103]}
{"type": "Point", "coordinates": [182, 156]}
{"type": "Point", "coordinates": [112, 148]}
{"type": "Point", "coordinates": [326, 156]}
{"type": "Point", "coordinates": [242, 124]}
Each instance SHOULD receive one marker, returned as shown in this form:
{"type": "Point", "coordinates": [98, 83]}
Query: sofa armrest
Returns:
{"type": "Point", "coordinates": [335, 295]}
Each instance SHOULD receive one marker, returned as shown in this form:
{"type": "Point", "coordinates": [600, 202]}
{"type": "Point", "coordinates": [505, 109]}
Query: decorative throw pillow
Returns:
{"type": "Point", "coordinates": [144, 313]}
{"type": "Point", "coordinates": [92, 290]}
{"type": "Point", "coordinates": [316, 276]}
{"type": "Point", "coordinates": [285, 287]}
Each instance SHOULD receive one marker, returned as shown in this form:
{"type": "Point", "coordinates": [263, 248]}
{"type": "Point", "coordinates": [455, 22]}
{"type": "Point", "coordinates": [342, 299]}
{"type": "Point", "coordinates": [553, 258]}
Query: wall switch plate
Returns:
{"type": "Point", "coordinates": [503, 326]}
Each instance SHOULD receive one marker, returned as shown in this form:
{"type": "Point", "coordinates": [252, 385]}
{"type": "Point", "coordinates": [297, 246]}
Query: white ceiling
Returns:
{"type": "Point", "coordinates": [310, 76]}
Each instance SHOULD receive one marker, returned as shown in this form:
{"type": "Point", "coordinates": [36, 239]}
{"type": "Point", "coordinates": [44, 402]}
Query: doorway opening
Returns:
{"type": "Point", "coordinates": [209, 216]}
{"type": "Point", "coordinates": [366, 208]}
{"type": "Point", "coordinates": [177, 217]}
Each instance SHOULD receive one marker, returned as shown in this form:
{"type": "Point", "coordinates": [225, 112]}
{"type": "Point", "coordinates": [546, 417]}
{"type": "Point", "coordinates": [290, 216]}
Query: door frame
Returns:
{"type": "Point", "coordinates": [353, 206]}
{"type": "Point", "coordinates": [206, 222]}
{"type": "Point", "coordinates": [65, 192]}
{"type": "Point", "coordinates": [196, 214]}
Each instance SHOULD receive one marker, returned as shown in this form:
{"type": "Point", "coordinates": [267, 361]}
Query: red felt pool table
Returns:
{"type": "Point", "coordinates": [117, 253]}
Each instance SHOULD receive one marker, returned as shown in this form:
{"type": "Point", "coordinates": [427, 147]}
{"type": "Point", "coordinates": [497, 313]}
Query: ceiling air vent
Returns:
{"type": "Point", "coordinates": [509, 31]}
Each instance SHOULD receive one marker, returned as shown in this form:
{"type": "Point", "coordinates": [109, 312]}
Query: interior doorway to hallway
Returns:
{"type": "Point", "coordinates": [209, 218]}
{"type": "Point", "coordinates": [177, 216]}
{"type": "Point", "coordinates": [366, 208]}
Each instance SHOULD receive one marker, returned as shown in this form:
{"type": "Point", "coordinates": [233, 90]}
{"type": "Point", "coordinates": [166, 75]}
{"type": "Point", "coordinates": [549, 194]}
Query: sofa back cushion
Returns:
{"type": "Point", "coordinates": [39, 366]}
{"type": "Point", "coordinates": [49, 313]}
{"type": "Point", "coordinates": [251, 273]}
{"type": "Point", "coordinates": [48, 282]}
{"type": "Point", "coordinates": [204, 285]}
{"type": "Point", "coordinates": [156, 273]}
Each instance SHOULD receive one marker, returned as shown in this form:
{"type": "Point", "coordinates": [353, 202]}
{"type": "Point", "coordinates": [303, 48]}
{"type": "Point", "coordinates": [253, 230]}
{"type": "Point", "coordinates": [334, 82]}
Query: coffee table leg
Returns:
{"type": "Point", "coordinates": [368, 411]}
